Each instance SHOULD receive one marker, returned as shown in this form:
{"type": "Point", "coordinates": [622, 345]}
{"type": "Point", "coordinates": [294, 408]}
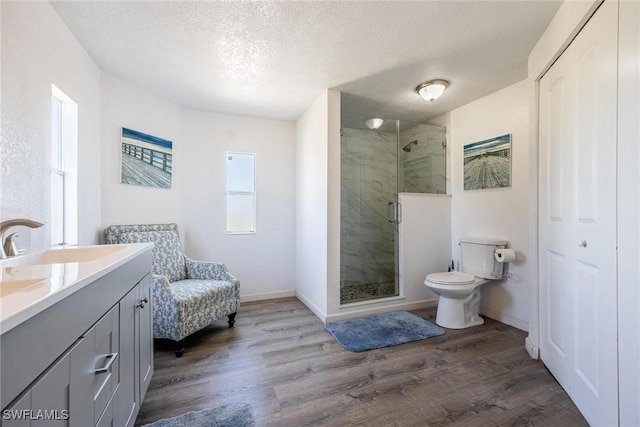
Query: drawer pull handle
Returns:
{"type": "Point", "coordinates": [142, 302]}
{"type": "Point", "coordinates": [110, 359]}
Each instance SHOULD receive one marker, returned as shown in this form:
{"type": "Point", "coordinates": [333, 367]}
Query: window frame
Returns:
{"type": "Point", "coordinates": [63, 169]}
{"type": "Point", "coordinates": [231, 193]}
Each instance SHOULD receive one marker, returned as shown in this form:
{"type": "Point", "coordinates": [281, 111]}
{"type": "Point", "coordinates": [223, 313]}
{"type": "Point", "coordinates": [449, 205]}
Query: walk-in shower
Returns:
{"type": "Point", "coordinates": [375, 166]}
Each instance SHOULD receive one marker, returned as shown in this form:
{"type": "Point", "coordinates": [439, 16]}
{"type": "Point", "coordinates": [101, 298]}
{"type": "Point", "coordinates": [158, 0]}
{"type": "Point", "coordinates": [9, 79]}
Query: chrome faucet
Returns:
{"type": "Point", "coordinates": [8, 247]}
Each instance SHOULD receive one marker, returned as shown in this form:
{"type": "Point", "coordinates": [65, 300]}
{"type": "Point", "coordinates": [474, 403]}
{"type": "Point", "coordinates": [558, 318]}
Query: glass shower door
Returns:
{"type": "Point", "coordinates": [368, 211]}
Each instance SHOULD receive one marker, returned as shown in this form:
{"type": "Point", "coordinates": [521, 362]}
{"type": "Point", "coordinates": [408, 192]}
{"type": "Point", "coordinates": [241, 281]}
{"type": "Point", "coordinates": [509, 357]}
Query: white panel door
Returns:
{"type": "Point", "coordinates": [578, 329]}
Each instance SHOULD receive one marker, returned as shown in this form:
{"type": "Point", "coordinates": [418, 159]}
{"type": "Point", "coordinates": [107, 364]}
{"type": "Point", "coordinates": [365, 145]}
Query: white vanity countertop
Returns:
{"type": "Point", "coordinates": [29, 284]}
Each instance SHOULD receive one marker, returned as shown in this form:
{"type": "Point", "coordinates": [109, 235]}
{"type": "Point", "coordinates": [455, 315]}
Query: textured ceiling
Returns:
{"type": "Point", "coordinates": [273, 59]}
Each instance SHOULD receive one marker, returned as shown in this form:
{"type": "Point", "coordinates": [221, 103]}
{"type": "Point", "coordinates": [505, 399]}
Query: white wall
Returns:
{"type": "Point", "coordinates": [38, 50]}
{"type": "Point", "coordinates": [425, 242]}
{"type": "Point", "coordinates": [264, 261]}
{"type": "Point", "coordinates": [497, 213]}
{"type": "Point", "coordinates": [125, 105]}
{"type": "Point", "coordinates": [333, 202]}
{"type": "Point", "coordinates": [568, 21]}
{"type": "Point", "coordinates": [629, 213]}
{"type": "Point", "coordinates": [312, 136]}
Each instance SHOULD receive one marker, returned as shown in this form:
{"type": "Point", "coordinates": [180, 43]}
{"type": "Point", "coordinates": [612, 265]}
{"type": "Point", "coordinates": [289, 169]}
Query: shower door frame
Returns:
{"type": "Point", "coordinates": [376, 280]}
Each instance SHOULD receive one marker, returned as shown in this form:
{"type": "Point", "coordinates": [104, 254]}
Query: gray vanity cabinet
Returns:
{"type": "Point", "coordinates": [78, 388]}
{"type": "Point", "coordinates": [95, 374]}
{"type": "Point", "coordinates": [102, 376]}
{"type": "Point", "coordinates": [145, 329]}
{"type": "Point", "coordinates": [23, 404]}
{"type": "Point", "coordinates": [126, 403]}
{"type": "Point", "coordinates": [51, 392]}
{"type": "Point", "coordinates": [136, 349]}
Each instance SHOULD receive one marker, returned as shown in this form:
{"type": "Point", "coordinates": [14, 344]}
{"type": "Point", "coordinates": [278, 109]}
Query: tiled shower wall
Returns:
{"type": "Point", "coordinates": [368, 183]}
{"type": "Point", "coordinates": [423, 169]}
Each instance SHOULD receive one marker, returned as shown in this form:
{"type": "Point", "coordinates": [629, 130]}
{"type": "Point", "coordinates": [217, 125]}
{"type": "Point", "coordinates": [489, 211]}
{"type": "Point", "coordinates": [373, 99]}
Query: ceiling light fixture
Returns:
{"type": "Point", "coordinates": [432, 90]}
{"type": "Point", "coordinates": [374, 123]}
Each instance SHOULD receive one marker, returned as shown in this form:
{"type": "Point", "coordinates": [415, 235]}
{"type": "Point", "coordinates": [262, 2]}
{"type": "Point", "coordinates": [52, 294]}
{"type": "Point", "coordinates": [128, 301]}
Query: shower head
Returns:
{"type": "Point", "coordinates": [407, 148]}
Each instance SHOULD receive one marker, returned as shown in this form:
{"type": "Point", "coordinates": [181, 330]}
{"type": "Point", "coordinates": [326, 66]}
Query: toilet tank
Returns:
{"type": "Point", "coordinates": [477, 257]}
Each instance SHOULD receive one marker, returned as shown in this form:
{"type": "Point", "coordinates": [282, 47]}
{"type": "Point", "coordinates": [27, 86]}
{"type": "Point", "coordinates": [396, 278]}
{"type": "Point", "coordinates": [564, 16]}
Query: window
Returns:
{"type": "Point", "coordinates": [241, 193]}
{"type": "Point", "coordinates": [64, 159]}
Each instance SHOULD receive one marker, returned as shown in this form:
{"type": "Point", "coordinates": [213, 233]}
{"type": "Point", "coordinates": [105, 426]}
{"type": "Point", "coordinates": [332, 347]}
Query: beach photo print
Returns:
{"type": "Point", "coordinates": [146, 160]}
{"type": "Point", "coordinates": [487, 164]}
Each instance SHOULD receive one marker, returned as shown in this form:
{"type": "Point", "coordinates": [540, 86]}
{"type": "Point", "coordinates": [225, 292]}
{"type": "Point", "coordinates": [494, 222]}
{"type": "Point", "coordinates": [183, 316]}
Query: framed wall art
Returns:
{"type": "Point", "coordinates": [146, 160]}
{"type": "Point", "coordinates": [487, 164]}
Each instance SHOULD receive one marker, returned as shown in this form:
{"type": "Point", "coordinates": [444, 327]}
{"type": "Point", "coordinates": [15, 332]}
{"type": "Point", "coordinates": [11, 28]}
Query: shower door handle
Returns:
{"type": "Point", "coordinates": [392, 212]}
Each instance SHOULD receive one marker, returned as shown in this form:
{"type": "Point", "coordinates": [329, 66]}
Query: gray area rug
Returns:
{"type": "Point", "coordinates": [381, 330]}
{"type": "Point", "coordinates": [221, 416]}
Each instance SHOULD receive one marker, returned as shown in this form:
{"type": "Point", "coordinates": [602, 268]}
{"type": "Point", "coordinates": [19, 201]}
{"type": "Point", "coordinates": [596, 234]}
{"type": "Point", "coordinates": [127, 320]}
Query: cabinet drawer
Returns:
{"type": "Point", "coordinates": [14, 417]}
{"type": "Point", "coordinates": [106, 420]}
{"type": "Point", "coordinates": [46, 404]}
{"type": "Point", "coordinates": [95, 369]}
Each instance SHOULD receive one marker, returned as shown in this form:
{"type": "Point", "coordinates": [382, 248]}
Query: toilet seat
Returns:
{"type": "Point", "coordinates": [451, 278]}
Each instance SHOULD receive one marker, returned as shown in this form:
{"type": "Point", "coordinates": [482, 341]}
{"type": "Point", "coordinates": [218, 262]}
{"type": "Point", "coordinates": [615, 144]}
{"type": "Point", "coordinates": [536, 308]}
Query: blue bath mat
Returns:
{"type": "Point", "coordinates": [221, 416]}
{"type": "Point", "coordinates": [381, 330]}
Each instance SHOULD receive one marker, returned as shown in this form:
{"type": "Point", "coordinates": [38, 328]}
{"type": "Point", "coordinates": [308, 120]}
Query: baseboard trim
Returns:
{"type": "Point", "coordinates": [533, 351]}
{"type": "Point", "coordinates": [266, 296]}
{"type": "Point", "coordinates": [363, 310]}
{"type": "Point", "coordinates": [319, 313]}
{"type": "Point", "coordinates": [507, 319]}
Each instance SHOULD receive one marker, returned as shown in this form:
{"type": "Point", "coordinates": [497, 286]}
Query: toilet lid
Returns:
{"type": "Point", "coordinates": [451, 278]}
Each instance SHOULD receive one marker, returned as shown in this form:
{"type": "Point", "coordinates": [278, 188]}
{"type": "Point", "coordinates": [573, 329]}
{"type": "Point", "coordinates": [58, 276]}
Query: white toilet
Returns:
{"type": "Point", "coordinates": [459, 292]}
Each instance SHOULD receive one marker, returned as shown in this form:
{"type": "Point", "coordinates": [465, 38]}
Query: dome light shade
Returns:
{"type": "Point", "coordinates": [374, 123]}
{"type": "Point", "coordinates": [432, 90]}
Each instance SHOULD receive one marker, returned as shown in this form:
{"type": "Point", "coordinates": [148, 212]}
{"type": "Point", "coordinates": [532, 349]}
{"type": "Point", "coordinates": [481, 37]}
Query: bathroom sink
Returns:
{"type": "Point", "coordinates": [34, 282]}
{"type": "Point", "coordinates": [62, 255]}
{"type": "Point", "coordinates": [91, 253]}
{"type": "Point", "coordinates": [21, 291]}
{"type": "Point", "coordinates": [11, 286]}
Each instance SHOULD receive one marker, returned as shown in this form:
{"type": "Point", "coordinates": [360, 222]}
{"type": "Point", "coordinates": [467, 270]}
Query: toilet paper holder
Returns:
{"type": "Point", "coordinates": [505, 255]}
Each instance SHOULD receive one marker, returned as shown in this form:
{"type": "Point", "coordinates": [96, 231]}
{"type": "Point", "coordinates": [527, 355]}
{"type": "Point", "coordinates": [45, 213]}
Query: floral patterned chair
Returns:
{"type": "Point", "coordinates": [187, 295]}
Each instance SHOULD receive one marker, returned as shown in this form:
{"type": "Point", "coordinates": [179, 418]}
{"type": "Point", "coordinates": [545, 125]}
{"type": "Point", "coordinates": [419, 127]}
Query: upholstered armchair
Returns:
{"type": "Point", "coordinates": [187, 295]}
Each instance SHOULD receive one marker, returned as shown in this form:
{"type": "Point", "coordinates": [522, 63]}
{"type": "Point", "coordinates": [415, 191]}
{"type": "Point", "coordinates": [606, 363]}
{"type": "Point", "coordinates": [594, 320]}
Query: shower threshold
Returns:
{"type": "Point", "coordinates": [359, 292]}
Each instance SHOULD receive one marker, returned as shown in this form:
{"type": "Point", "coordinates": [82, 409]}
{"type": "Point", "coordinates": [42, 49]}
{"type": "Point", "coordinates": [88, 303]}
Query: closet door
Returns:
{"type": "Point", "coordinates": [578, 329]}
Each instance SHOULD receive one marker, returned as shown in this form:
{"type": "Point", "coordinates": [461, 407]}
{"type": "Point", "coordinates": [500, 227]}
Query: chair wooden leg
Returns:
{"type": "Point", "coordinates": [232, 319]}
{"type": "Point", "coordinates": [179, 347]}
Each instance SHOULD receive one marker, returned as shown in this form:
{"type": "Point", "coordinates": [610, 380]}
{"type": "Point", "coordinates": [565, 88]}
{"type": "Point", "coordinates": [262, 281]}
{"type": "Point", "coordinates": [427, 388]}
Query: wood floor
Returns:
{"type": "Point", "coordinates": [279, 358]}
